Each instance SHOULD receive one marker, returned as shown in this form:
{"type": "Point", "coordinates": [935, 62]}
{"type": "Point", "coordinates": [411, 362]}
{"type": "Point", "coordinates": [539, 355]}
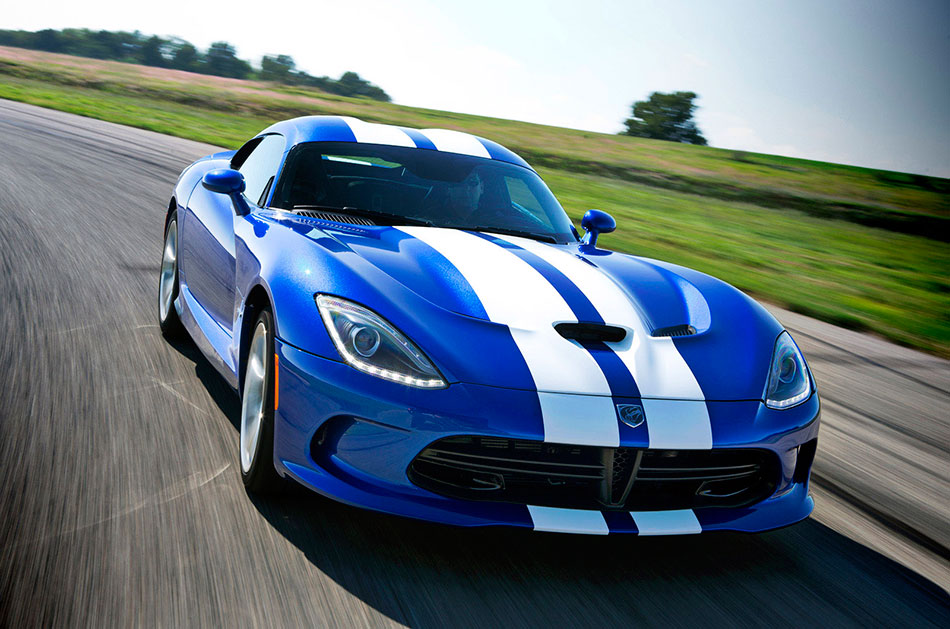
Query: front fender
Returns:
{"type": "Point", "coordinates": [731, 355]}
{"type": "Point", "coordinates": [294, 259]}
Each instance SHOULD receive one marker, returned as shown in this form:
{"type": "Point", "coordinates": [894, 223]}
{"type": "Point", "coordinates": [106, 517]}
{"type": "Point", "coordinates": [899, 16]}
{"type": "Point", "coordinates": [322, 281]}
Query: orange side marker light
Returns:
{"type": "Point", "coordinates": [276, 379]}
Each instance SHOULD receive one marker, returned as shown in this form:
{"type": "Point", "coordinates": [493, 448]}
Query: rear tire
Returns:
{"type": "Point", "coordinates": [257, 410]}
{"type": "Point", "coordinates": [168, 287]}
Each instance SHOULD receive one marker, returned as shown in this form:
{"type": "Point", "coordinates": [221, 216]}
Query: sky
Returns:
{"type": "Point", "coordinates": [859, 82]}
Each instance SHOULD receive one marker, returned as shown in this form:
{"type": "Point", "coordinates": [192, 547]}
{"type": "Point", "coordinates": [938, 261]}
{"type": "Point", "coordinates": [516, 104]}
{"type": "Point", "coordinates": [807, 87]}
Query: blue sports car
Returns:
{"type": "Point", "coordinates": [415, 326]}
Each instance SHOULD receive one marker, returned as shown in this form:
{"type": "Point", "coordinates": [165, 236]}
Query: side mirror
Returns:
{"type": "Point", "coordinates": [229, 182]}
{"type": "Point", "coordinates": [596, 223]}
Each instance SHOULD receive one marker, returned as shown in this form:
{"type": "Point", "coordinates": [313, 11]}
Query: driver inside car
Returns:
{"type": "Point", "coordinates": [463, 198]}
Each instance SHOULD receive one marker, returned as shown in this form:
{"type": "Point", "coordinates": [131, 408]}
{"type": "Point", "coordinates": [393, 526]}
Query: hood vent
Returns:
{"type": "Point", "coordinates": [675, 330]}
{"type": "Point", "coordinates": [337, 218]}
{"type": "Point", "coordinates": [591, 332]}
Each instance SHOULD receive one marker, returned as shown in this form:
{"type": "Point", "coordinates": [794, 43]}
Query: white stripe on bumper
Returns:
{"type": "Point", "coordinates": [678, 522]}
{"type": "Point", "coordinates": [554, 520]}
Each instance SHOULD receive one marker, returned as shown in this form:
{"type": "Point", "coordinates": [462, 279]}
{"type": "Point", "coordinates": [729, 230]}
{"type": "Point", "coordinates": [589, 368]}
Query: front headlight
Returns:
{"type": "Point", "coordinates": [369, 343]}
{"type": "Point", "coordinates": [789, 382]}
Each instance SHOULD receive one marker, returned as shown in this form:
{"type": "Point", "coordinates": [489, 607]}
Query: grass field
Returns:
{"type": "Point", "coordinates": [859, 247]}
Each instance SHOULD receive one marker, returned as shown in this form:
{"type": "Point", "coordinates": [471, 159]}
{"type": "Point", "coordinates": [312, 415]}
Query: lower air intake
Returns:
{"type": "Point", "coordinates": [588, 477]}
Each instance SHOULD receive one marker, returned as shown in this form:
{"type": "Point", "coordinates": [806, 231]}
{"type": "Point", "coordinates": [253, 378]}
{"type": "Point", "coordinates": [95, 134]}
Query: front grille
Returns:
{"type": "Point", "coordinates": [667, 479]}
{"type": "Point", "coordinates": [588, 477]}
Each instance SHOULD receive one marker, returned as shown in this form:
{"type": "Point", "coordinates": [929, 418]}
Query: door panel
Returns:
{"type": "Point", "coordinates": [208, 254]}
{"type": "Point", "coordinates": [208, 240]}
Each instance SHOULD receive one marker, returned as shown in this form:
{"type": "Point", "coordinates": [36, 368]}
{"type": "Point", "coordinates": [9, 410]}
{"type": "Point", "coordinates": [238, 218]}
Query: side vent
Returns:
{"type": "Point", "coordinates": [675, 330]}
{"type": "Point", "coordinates": [337, 218]}
{"type": "Point", "coordinates": [590, 332]}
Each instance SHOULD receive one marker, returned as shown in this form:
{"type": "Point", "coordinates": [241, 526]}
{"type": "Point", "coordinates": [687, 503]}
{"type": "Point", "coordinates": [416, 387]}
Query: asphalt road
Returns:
{"type": "Point", "coordinates": [121, 503]}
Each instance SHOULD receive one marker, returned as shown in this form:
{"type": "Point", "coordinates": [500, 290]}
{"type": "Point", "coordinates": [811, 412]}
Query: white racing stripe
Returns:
{"type": "Point", "coordinates": [678, 424]}
{"type": "Point", "coordinates": [371, 133]}
{"type": "Point", "coordinates": [555, 520]}
{"type": "Point", "coordinates": [583, 420]}
{"type": "Point", "coordinates": [659, 370]}
{"type": "Point", "coordinates": [516, 295]}
{"type": "Point", "coordinates": [678, 522]}
{"type": "Point", "coordinates": [585, 522]}
{"type": "Point", "coordinates": [654, 363]}
{"type": "Point", "coordinates": [456, 142]}
{"type": "Point", "coordinates": [443, 139]}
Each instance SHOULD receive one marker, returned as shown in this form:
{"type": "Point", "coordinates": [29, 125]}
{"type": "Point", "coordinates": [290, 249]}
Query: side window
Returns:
{"type": "Point", "coordinates": [260, 167]}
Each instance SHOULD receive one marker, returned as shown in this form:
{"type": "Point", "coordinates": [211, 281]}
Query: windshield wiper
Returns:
{"type": "Point", "coordinates": [389, 216]}
{"type": "Point", "coordinates": [506, 231]}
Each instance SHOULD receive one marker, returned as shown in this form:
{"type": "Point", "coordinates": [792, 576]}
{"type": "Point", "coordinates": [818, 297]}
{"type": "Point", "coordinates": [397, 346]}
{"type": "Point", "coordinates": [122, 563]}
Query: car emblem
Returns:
{"type": "Point", "coordinates": [631, 414]}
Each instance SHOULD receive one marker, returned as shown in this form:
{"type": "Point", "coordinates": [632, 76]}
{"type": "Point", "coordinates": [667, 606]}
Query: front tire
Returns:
{"type": "Point", "coordinates": [257, 409]}
{"type": "Point", "coordinates": [168, 286]}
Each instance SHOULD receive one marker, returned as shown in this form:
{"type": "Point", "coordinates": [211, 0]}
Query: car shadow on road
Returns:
{"type": "Point", "coordinates": [221, 393]}
{"type": "Point", "coordinates": [423, 574]}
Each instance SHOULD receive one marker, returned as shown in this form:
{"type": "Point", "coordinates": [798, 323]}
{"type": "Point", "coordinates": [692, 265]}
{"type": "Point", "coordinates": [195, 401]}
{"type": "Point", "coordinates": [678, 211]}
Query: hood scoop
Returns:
{"type": "Point", "coordinates": [587, 332]}
{"type": "Point", "coordinates": [675, 330]}
{"type": "Point", "coordinates": [333, 216]}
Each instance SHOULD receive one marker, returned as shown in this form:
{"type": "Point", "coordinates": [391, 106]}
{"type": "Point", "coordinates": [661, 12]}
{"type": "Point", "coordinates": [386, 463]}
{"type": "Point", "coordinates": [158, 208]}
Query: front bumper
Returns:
{"type": "Point", "coordinates": [352, 437]}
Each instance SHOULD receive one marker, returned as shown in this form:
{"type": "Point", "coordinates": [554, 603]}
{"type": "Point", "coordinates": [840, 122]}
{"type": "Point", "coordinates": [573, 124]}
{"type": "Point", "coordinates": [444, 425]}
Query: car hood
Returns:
{"type": "Point", "coordinates": [487, 306]}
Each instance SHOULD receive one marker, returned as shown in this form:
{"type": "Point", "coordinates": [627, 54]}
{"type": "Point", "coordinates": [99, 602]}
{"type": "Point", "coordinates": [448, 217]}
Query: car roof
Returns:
{"type": "Point", "coordinates": [349, 129]}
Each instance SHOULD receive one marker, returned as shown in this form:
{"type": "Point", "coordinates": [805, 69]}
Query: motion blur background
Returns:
{"type": "Point", "coordinates": [823, 191]}
{"type": "Point", "coordinates": [848, 81]}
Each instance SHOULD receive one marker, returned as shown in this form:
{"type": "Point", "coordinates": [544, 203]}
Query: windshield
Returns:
{"type": "Point", "coordinates": [421, 186]}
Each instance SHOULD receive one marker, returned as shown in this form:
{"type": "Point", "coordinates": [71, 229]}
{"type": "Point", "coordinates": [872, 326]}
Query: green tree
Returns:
{"type": "Point", "coordinates": [278, 69]}
{"type": "Point", "coordinates": [152, 52]}
{"type": "Point", "coordinates": [352, 84]}
{"type": "Point", "coordinates": [324, 83]}
{"type": "Point", "coordinates": [220, 60]}
{"type": "Point", "coordinates": [179, 54]}
{"type": "Point", "coordinates": [665, 117]}
{"type": "Point", "coordinates": [184, 56]}
{"type": "Point", "coordinates": [107, 45]}
{"type": "Point", "coordinates": [48, 39]}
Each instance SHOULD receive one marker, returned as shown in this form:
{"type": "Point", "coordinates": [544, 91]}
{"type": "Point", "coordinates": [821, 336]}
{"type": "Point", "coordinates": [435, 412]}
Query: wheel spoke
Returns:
{"type": "Point", "coordinates": [169, 272]}
{"type": "Point", "coordinates": [255, 390]}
